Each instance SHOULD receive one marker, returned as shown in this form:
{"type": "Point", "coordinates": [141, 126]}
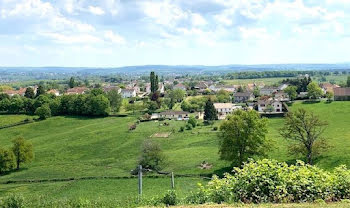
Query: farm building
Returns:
{"type": "Point", "coordinates": [342, 93]}
{"type": "Point", "coordinates": [177, 115]}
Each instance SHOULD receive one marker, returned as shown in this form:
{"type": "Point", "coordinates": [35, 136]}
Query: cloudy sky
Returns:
{"type": "Point", "coordinates": [108, 33]}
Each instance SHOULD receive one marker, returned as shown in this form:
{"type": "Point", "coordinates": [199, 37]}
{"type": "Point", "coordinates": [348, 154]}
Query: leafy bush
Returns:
{"type": "Point", "coordinates": [215, 128]}
{"type": "Point", "coordinates": [13, 201]}
{"type": "Point", "coordinates": [267, 181]}
{"type": "Point", "coordinates": [188, 127]}
{"type": "Point", "coordinates": [43, 112]}
{"type": "Point", "coordinates": [182, 129]}
{"type": "Point", "coordinates": [192, 120]}
{"type": "Point", "coordinates": [170, 198]}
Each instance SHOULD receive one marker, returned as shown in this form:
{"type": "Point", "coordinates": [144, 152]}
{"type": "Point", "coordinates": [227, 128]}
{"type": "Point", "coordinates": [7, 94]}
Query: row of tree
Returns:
{"type": "Point", "coordinates": [94, 103]}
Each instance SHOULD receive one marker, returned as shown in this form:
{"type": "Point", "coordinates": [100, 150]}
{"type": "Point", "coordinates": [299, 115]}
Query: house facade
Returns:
{"type": "Point", "coordinates": [268, 90]}
{"type": "Point", "coordinates": [223, 109]}
{"type": "Point", "coordinates": [180, 86]}
{"type": "Point", "coordinates": [177, 115]}
{"type": "Point", "coordinates": [76, 91]}
{"type": "Point", "coordinates": [128, 93]}
{"type": "Point", "coordinates": [241, 97]}
{"type": "Point", "coordinates": [270, 105]}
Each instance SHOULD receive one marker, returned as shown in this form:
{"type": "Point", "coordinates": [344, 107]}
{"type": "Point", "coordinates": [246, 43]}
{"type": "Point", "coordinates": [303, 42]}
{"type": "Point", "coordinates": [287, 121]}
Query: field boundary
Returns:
{"type": "Point", "coordinates": [28, 181]}
{"type": "Point", "coordinates": [17, 124]}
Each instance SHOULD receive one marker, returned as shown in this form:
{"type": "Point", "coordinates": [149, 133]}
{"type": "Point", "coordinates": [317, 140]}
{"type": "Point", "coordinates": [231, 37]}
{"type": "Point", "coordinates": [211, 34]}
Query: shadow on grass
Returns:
{"type": "Point", "coordinates": [220, 172]}
{"type": "Point", "coordinates": [13, 171]}
{"type": "Point", "coordinates": [311, 101]}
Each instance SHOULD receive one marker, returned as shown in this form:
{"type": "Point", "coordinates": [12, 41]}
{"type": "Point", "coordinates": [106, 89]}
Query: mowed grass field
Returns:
{"type": "Point", "coordinates": [6, 120]}
{"type": "Point", "coordinates": [75, 147]}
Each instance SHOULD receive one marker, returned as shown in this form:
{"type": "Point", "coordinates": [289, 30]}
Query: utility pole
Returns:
{"type": "Point", "coordinates": [172, 180]}
{"type": "Point", "coordinates": [140, 182]}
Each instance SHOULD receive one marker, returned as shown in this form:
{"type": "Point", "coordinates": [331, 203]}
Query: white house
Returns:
{"type": "Point", "coordinates": [177, 115]}
{"type": "Point", "coordinates": [270, 106]}
{"type": "Point", "coordinates": [223, 109]}
{"type": "Point", "coordinates": [128, 93]}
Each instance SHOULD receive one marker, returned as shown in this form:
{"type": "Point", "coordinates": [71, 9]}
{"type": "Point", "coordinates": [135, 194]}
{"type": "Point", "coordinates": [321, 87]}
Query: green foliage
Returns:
{"type": "Point", "coordinates": [152, 155]}
{"type": "Point", "coordinates": [292, 92]}
{"type": "Point", "coordinates": [329, 96]}
{"type": "Point", "coordinates": [243, 135]}
{"type": "Point", "coordinates": [177, 95]}
{"type": "Point", "coordinates": [13, 201]}
{"type": "Point", "coordinates": [154, 82]}
{"type": "Point", "coordinates": [268, 181]}
{"type": "Point", "coordinates": [348, 82]}
{"type": "Point", "coordinates": [23, 151]}
{"type": "Point", "coordinates": [43, 112]}
{"type": "Point", "coordinates": [115, 100]}
{"type": "Point", "coordinates": [189, 126]}
{"type": "Point", "coordinates": [209, 111]}
{"type": "Point", "coordinates": [223, 96]}
{"type": "Point", "coordinates": [314, 91]}
{"type": "Point", "coordinates": [40, 91]}
{"type": "Point", "coordinates": [72, 83]}
{"type": "Point", "coordinates": [7, 160]}
{"type": "Point", "coordinates": [170, 198]}
{"type": "Point", "coordinates": [193, 121]}
{"type": "Point", "coordinates": [305, 128]}
{"type": "Point", "coordinates": [16, 105]}
{"type": "Point", "coordinates": [29, 93]}
{"type": "Point", "coordinates": [182, 129]}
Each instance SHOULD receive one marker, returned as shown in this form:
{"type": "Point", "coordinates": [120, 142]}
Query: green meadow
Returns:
{"type": "Point", "coordinates": [79, 147]}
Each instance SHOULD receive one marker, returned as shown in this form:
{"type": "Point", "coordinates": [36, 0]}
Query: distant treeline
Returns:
{"type": "Point", "coordinates": [271, 74]}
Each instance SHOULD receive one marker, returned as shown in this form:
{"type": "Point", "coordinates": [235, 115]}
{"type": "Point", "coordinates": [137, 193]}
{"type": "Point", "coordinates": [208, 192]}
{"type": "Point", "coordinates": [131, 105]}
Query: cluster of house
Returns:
{"type": "Point", "coordinates": [22, 91]}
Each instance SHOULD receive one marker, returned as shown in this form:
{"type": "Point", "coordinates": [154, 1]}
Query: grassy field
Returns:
{"type": "Point", "coordinates": [67, 147]}
{"type": "Point", "coordinates": [338, 79]}
{"type": "Point", "coordinates": [12, 119]}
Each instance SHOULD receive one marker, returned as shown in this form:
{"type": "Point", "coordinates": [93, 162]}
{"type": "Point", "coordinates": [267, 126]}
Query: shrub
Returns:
{"type": "Point", "coordinates": [268, 181]}
{"type": "Point", "coordinates": [192, 120]}
{"type": "Point", "coordinates": [188, 127]}
{"type": "Point", "coordinates": [182, 129]}
{"type": "Point", "coordinates": [43, 112]}
{"type": "Point", "coordinates": [13, 201]}
{"type": "Point", "coordinates": [170, 198]}
{"type": "Point", "coordinates": [152, 155]}
{"type": "Point", "coordinates": [215, 128]}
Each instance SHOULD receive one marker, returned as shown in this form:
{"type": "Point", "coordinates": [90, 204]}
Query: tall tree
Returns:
{"type": "Point", "coordinates": [29, 93]}
{"type": "Point", "coordinates": [209, 111]}
{"type": "Point", "coordinates": [154, 82]}
{"type": "Point", "coordinates": [40, 91]}
{"type": "Point", "coordinates": [243, 135]}
{"type": "Point", "coordinates": [306, 129]}
{"type": "Point", "coordinates": [115, 100]}
{"type": "Point", "coordinates": [71, 82]}
{"type": "Point", "coordinates": [292, 92]}
{"type": "Point", "coordinates": [348, 82]}
{"type": "Point", "coordinates": [23, 151]}
{"type": "Point", "coordinates": [314, 91]}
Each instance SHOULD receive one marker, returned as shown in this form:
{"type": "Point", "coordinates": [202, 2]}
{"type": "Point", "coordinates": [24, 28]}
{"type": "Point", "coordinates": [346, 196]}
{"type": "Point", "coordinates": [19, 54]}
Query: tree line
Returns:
{"type": "Point", "coordinates": [94, 103]}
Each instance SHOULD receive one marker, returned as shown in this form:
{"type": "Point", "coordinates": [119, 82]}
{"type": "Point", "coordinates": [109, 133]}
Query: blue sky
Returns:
{"type": "Point", "coordinates": [110, 33]}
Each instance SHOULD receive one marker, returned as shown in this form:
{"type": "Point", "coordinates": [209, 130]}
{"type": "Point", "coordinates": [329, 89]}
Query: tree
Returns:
{"type": "Point", "coordinates": [98, 105]}
{"type": "Point", "coordinates": [256, 92]}
{"type": "Point", "coordinates": [314, 91]}
{"type": "Point", "coordinates": [329, 96]}
{"type": "Point", "coordinates": [240, 89]}
{"type": "Point", "coordinates": [4, 104]}
{"type": "Point", "coordinates": [291, 91]}
{"type": "Point", "coordinates": [348, 82]}
{"type": "Point", "coordinates": [306, 129]}
{"type": "Point", "coordinates": [16, 105]}
{"type": "Point", "coordinates": [23, 151]}
{"type": "Point", "coordinates": [192, 121]}
{"type": "Point", "coordinates": [154, 82]}
{"type": "Point", "coordinates": [152, 155]}
{"type": "Point", "coordinates": [7, 160]}
{"type": "Point", "coordinates": [4, 96]}
{"type": "Point", "coordinates": [71, 82]}
{"type": "Point", "coordinates": [43, 112]}
{"type": "Point", "coordinates": [29, 93]}
{"type": "Point", "coordinates": [223, 96]}
{"type": "Point", "coordinates": [209, 111]}
{"type": "Point", "coordinates": [40, 91]}
{"type": "Point", "coordinates": [177, 95]}
{"type": "Point", "coordinates": [115, 100]}
{"type": "Point", "coordinates": [242, 136]}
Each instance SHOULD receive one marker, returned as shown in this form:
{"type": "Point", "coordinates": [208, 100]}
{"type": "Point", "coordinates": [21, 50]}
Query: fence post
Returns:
{"type": "Point", "coordinates": [172, 180]}
{"type": "Point", "coordinates": [140, 181]}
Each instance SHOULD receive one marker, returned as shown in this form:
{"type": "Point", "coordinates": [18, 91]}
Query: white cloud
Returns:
{"type": "Point", "coordinates": [96, 10]}
{"type": "Point", "coordinates": [114, 38]}
{"type": "Point", "coordinates": [72, 39]}
{"type": "Point", "coordinates": [198, 20]}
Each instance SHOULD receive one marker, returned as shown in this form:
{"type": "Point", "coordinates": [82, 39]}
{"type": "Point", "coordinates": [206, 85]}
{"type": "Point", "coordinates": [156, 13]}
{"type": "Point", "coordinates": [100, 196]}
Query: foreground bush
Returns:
{"type": "Point", "coordinates": [267, 181]}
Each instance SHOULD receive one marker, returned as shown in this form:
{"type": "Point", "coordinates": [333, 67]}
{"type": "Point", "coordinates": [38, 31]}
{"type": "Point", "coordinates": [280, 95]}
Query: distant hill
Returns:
{"type": "Point", "coordinates": [176, 69]}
